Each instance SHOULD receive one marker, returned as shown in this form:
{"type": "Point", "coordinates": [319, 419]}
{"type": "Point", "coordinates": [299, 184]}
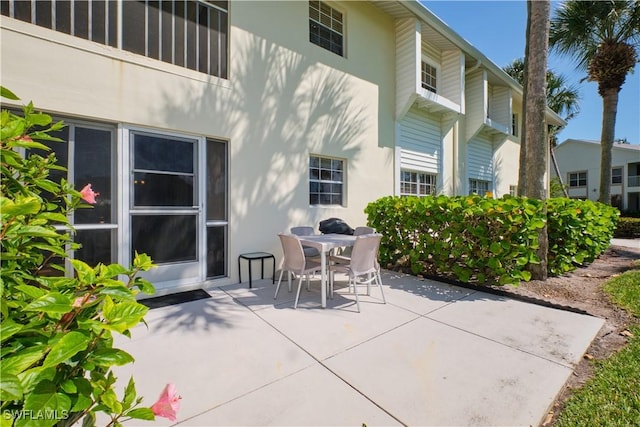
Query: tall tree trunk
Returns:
{"type": "Point", "coordinates": [609, 111]}
{"type": "Point", "coordinates": [535, 103]}
{"type": "Point", "coordinates": [522, 170]}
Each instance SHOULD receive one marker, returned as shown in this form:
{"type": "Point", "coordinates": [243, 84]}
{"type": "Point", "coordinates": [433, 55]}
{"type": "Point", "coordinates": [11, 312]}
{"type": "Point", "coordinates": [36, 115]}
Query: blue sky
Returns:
{"type": "Point", "coordinates": [497, 29]}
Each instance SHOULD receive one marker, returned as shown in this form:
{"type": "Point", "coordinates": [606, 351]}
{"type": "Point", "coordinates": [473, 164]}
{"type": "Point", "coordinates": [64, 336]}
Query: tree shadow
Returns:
{"type": "Point", "coordinates": [277, 108]}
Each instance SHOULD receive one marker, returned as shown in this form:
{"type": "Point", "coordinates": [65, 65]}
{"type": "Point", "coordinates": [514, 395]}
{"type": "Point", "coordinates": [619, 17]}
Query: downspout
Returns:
{"type": "Point", "coordinates": [454, 170]}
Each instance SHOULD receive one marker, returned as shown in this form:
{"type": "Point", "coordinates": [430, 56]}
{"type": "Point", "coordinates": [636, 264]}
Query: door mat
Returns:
{"type": "Point", "coordinates": [173, 299]}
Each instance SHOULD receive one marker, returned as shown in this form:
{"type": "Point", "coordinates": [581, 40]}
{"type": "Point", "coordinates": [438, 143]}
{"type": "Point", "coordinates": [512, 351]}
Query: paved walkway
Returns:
{"type": "Point", "coordinates": [629, 243]}
{"type": "Point", "coordinates": [435, 354]}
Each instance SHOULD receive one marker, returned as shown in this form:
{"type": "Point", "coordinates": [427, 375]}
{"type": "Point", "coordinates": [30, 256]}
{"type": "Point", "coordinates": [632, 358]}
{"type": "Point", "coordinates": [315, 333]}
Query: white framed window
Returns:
{"type": "Point", "coordinates": [88, 154]}
{"type": "Point", "coordinates": [616, 175]}
{"type": "Point", "coordinates": [414, 183]}
{"type": "Point", "coordinates": [326, 181]}
{"type": "Point", "coordinates": [514, 125]}
{"type": "Point", "coordinates": [188, 33]}
{"type": "Point", "coordinates": [326, 27]}
{"type": "Point", "coordinates": [577, 179]}
{"type": "Point", "coordinates": [478, 186]}
{"type": "Point", "coordinates": [429, 76]}
{"type": "Point", "coordinates": [513, 190]}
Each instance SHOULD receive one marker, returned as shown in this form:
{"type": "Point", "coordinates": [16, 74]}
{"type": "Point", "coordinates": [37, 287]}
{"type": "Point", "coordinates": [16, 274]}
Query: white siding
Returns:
{"type": "Point", "coordinates": [420, 142]}
{"type": "Point", "coordinates": [452, 81]}
{"type": "Point", "coordinates": [407, 70]}
{"type": "Point", "coordinates": [480, 159]}
{"type": "Point", "coordinates": [501, 105]}
{"type": "Point", "coordinates": [476, 91]}
{"type": "Point", "coordinates": [431, 51]}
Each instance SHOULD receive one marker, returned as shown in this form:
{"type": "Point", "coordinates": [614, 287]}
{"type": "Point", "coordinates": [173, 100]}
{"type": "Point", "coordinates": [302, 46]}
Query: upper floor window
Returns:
{"type": "Point", "coordinates": [187, 33]}
{"type": "Point", "coordinates": [616, 175]}
{"type": "Point", "coordinates": [429, 77]}
{"type": "Point", "coordinates": [417, 183]}
{"type": "Point", "coordinates": [326, 27]}
{"type": "Point", "coordinates": [577, 179]}
{"type": "Point", "coordinates": [326, 181]}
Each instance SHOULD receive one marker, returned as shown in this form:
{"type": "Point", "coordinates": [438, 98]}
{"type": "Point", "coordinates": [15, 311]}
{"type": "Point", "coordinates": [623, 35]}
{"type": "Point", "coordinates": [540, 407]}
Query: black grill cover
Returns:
{"type": "Point", "coordinates": [335, 225]}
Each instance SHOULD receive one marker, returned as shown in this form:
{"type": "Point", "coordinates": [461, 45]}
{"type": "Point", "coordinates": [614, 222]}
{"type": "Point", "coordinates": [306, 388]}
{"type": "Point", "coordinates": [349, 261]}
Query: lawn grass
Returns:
{"type": "Point", "coordinates": [625, 290]}
{"type": "Point", "coordinates": [612, 396]}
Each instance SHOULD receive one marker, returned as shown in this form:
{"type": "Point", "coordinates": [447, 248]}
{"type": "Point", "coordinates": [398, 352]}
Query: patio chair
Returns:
{"type": "Point", "coordinates": [363, 262]}
{"type": "Point", "coordinates": [309, 252]}
{"type": "Point", "coordinates": [344, 254]}
{"type": "Point", "coordinates": [295, 263]}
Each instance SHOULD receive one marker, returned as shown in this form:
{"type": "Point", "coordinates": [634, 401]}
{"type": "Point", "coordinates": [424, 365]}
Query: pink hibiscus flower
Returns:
{"type": "Point", "coordinates": [88, 195]}
{"type": "Point", "coordinates": [168, 403]}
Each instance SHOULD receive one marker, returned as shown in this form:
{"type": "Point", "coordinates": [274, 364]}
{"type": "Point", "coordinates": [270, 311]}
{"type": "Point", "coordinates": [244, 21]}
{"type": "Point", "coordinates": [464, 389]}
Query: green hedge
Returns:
{"type": "Point", "coordinates": [628, 228]}
{"type": "Point", "coordinates": [485, 240]}
{"type": "Point", "coordinates": [579, 231]}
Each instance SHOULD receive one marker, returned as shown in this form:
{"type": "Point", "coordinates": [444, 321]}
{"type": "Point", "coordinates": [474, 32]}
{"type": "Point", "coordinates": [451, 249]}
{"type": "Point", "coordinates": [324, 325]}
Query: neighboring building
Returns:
{"type": "Point", "coordinates": [208, 127]}
{"type": "Point", "coordinates": [579, 164]}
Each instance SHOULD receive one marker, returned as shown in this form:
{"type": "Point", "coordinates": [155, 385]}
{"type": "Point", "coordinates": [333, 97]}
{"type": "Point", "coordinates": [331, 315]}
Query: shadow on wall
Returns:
{"type": "Point", "coordinates": [280, 107]}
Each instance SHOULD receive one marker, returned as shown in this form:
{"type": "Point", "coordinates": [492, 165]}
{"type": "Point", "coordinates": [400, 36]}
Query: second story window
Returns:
{"type": "Point", "coordinates": [188, 33]}
{"type": "Point", "coordinates": [429, 77]}
{"type": "Point", "coordinates": [514, 125]}
{"type": "Point", "coordinates": [326, 27]}
{"type": "Point", "coordinates": [616, 176]}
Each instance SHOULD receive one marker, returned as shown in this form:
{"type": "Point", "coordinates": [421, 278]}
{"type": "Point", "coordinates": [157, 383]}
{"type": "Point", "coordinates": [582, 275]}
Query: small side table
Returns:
{"type": "Point", "coordinates": [255, 256]}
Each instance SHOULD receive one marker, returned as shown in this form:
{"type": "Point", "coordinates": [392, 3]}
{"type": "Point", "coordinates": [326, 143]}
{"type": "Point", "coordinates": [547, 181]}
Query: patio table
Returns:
{"type": "Point", "coordinates": [325, 243]}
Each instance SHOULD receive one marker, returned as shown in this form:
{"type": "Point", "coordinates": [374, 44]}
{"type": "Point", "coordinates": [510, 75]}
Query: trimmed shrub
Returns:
{"type": "Point", "coordinates": [485, 240]}
{"type": "Point", "coordinates": [579, 231]}
{"type": "Point", "coordinates": [628, 228]}
{"type": "Point", "coordinates": [469, 238]}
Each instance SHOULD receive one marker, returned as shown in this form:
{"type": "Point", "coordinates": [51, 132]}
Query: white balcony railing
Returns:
{"type": "Point", "coordinates": [634, 181]}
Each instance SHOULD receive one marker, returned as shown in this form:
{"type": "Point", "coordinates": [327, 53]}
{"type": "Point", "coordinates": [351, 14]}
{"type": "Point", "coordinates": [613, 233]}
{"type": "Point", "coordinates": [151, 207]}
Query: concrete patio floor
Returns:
{"type": "Point", "coordinates": [434, 355]}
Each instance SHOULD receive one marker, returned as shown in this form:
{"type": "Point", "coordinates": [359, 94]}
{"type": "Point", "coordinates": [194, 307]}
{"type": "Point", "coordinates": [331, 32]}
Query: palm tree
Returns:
{"type": "Point", "coordinates": [604, 38]}
{"type": "Point", "coordinates": [533, 140]}
{"type": "Point", "coordinates": [562, 98]}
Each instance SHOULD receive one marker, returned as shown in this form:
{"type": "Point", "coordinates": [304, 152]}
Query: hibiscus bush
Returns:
{"type": "Point", "coordinates": [56, 329]}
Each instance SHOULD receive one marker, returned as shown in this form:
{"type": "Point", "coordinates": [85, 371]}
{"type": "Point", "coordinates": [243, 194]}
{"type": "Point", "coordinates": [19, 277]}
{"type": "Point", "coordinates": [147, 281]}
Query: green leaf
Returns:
{"type": "Point", "coordinates": [6, 93]}
{"type": "Point", "coordinates": [129, 394]}
{"type": "Point", "coordinates": [69, 387]}
{"type": "Point", "coordinates": [68, 346]}
{"type": "Point", "coordinates": [39, 119]}
{"type": "Point", "coordinates": [110, 400]}
{"type": "Point", "coordinates": [33, 376]}
{"type": "Point", "coordinates": [526, 275]}
{"type": "Point", "coordinates": [120, 292]}
{"type": "Point", "coordinates": [84, 272]}
{"type": "Point", "coordinates": [141, 414]}
{"type": "Point", "coordinates": [124, 315]}
{"type": "Point", "coordinates": [22, 206]}
{"type": "Point", "coordinates": [54, 302]}
{"type": "Point", "coordinates": [10, 388]}
{"type": "Point", "coordinates": [22, 360]}
{"type": "Point", "coordinates": [495, 248]}
{"type": "Point", "coordinates": [37, 231]}
{"type": "Point", "coordinates": [8, 328]}
{"type": "Point", "coordinates": [47, 406]}
{"type": "Point", "coordinates": [111, 356]}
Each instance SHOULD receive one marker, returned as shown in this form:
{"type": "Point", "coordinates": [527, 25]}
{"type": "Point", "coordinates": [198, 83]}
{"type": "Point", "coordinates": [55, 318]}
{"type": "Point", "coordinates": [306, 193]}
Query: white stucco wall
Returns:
{"type": "Point", "coordinates": [578, 156]}
{"type": "Point", "coordinates": [284, 100]}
